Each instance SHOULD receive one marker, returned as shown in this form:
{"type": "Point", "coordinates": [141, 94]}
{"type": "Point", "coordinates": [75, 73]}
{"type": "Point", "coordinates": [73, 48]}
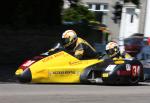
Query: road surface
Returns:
{"type": "Point", "coordinates": [73, 93]}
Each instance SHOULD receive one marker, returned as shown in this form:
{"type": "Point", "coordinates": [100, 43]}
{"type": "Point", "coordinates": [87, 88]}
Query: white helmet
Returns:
{"type": "Point", "coordinates": [69, 37]}
{"type": "Point", "coordinates": [112, 49]}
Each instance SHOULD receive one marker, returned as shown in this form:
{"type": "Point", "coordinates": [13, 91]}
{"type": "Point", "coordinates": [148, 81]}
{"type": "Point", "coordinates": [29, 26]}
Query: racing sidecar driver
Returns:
{"type": "Point", "coordinates": [78, 47]}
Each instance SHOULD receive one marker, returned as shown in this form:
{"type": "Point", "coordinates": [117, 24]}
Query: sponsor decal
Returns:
{"type": "Point", "coordinates": [119, 62]}
{"type": "Point", "coordinates": [28, 63]}
{"type": "Point", "coordinates": [64, 72]}
{"type": "Point", "coordinates": [105, 75]}
{"type": "Point", "coordinates": [128, 67]}
{"type": "Point", "coordinates": [58, 54]}
{"type": "Point", "coordinates": [110, 68]}
{"type": "Point", "coordinates": [53, 56]}
{"type": "Point", "coordinates": [47, 59]}
{"type": "Point", "coordinates": [75, 63]}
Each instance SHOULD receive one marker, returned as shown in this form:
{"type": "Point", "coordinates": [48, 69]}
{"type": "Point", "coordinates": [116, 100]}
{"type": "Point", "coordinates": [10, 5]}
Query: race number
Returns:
{"type": "Point", "coordinates": [135, 70]}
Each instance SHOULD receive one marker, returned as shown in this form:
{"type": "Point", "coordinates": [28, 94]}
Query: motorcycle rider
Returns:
{"type": "Point", "coordinates": [113, 51]}
{"type": "Point", "coordinates": [77, 47]}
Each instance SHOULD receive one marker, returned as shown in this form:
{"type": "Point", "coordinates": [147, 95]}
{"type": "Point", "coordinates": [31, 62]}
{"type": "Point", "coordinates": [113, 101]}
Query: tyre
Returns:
{"type": "Point", "coordinates": [136, 75]}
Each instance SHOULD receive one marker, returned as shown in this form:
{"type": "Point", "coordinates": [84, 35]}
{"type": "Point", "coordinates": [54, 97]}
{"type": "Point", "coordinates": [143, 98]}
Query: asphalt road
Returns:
{"type": "Point", "coordinates": [73, 93]}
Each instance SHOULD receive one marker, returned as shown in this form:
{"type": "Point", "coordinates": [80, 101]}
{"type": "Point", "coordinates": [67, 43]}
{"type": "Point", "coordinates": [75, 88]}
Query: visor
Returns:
{"type": "Point", "coordinates": [65, 42]}
{"type": "Point", "coordinates": [110, 51]}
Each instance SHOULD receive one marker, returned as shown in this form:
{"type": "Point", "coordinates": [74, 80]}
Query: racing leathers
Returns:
{"type": "Point", "coordinates": [82, 50]}
{"type": "Point", "coordinates": [122, 56]}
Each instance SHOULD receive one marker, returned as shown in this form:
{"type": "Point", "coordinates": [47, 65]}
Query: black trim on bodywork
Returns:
{"type": "Point", "coordinates": [113, 78]}
{"type": "Point", "coordinates": [98, 68]}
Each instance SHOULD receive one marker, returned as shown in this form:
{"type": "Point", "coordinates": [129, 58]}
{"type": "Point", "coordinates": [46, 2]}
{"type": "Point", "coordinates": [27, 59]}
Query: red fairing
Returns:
{"type": "Point", "coordinates": [123, 72]}
{"type": "Point", "coordinates": [26, 64]}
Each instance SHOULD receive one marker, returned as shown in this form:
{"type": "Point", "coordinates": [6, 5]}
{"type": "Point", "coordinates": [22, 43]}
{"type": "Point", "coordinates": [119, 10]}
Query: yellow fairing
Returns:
{"type": "Point", "coordinates": [59, 68]}
{"type": "Point", "coordinates": [19, 71]}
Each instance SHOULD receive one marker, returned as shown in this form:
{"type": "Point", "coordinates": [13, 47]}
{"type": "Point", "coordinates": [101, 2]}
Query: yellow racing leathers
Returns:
{"type": "Point", "coordinates": [83, 50]}
{"type": "Point", "coordinates": [122, 56]}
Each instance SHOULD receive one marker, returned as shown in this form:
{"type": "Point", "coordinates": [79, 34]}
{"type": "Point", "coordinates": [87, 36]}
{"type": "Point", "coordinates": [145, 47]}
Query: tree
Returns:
{"type": "Point", "coordinates": [78, 13]}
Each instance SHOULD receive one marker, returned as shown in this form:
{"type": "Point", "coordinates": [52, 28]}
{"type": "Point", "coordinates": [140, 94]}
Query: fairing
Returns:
{"type": "Point", "coordinates": [58, 68]}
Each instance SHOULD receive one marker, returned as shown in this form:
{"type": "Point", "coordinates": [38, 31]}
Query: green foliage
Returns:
{"type": "Point", "coordinates": [78, 13]}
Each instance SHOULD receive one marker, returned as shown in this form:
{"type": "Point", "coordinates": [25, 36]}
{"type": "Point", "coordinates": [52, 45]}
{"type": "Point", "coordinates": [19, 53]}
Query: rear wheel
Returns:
{"type": "Point", "coordinates": [136, 75]}
{"type": "Point", "coordinates": [134, 81]}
